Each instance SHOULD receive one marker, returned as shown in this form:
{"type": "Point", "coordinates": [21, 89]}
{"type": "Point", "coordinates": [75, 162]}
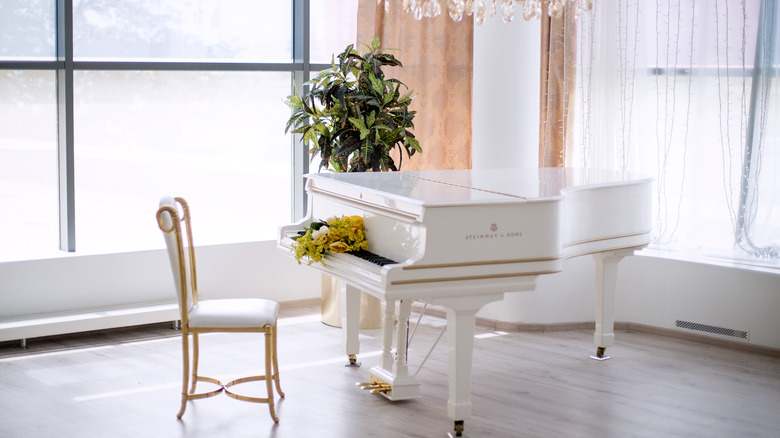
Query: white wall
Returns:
{"type": "Point", "coordinates": [49, 291]}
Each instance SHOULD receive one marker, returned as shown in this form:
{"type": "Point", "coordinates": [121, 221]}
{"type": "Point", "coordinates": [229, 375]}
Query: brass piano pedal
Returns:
{"type": "Point", "coordinates": [375, 387]}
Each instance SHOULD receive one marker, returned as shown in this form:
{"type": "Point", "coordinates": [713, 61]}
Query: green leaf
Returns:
{"type": "Point", "coordinates": [411, 141]}
{"type": "Point", "coordinates": [376, 84]}
{"type": "Point", "coordinates": [406, 98]}
{"type": "Point", "coordinates": [357, 123]}
{"type": "Point", "coordinates": [387, 98]}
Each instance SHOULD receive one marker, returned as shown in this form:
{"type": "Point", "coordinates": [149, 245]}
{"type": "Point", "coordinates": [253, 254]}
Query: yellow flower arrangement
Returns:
{"type": "Point", "coordinates": [336, 235]}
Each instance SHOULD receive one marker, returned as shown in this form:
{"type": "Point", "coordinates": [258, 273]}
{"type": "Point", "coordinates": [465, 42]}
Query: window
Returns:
{"type": "Point", "coordinates": [684, 91]}
{"type": "Point", "coordinates": [182, 98]}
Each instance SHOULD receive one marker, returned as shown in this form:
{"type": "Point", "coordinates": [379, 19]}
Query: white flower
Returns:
{"type": "Point", "coordinates": [323, 231]}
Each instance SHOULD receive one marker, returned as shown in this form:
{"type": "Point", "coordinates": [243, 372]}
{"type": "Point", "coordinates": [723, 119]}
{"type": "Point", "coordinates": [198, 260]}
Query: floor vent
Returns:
{"type": "Point", "coordinates": [712, 329]}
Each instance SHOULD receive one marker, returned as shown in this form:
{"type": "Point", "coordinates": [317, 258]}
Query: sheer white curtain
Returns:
{"type": "Point", "coordinates": [687, 91]}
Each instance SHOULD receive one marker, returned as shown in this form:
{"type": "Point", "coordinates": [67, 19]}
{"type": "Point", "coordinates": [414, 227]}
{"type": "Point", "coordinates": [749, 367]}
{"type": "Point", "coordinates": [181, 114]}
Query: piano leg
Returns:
{"type": "Point", "coordinates": [461, 318]}
{"type": "Point", "coordinates": [606, 284]}
{"type": "Point", "coordinates": [350, 322]}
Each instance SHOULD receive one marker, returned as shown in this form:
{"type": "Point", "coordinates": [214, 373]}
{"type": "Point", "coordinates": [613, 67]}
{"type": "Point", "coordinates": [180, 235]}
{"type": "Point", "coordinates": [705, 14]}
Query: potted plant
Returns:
{"type": "Point", "coordinates": [354, 116]}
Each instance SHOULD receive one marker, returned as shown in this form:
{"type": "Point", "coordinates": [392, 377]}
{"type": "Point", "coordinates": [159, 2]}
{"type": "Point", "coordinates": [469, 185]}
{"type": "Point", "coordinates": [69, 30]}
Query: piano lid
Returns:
{"type": "Point", "coordinates": [481, 186]}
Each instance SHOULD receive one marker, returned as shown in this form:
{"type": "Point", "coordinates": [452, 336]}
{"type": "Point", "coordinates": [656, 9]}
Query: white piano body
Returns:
{"type": "Point", "coordinates": [464, 238]}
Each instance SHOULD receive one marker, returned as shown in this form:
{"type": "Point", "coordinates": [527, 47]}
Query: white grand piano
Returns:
{"type": "Point", "coordinates": [463, 238]}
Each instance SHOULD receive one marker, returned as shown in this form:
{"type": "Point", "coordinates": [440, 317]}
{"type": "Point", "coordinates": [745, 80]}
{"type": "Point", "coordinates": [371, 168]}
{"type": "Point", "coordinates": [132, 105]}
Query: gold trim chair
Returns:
{"type": "Point", "coordinates": [244, 315]}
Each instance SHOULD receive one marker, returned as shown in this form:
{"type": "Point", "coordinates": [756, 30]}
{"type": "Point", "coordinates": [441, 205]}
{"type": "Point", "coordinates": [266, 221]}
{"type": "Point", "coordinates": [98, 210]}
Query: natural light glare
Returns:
{"type": "Point", "coordinates": [215, 138]}
{"type": "Point", "coordinates": [28, 164]}
{"type": "Point", "coordinates": [236, 30]}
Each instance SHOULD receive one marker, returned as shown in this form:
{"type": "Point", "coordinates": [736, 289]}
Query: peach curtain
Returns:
{"type": "Point", "coordinates": [558, 80]}
{"type": "Point", "coordinates": [437, 64]}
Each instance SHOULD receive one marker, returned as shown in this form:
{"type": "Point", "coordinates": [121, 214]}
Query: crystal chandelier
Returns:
{"type": "Point", "coordinates": [487, 8]}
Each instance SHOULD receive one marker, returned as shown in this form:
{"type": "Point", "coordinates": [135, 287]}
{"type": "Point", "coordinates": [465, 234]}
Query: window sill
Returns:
{"type": "Point", "coordinates": [723, 258]}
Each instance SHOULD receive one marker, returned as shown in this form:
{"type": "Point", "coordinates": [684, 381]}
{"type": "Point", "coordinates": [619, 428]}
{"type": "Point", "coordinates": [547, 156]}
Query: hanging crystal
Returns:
{"type": "Point", "coordinates": [508, 10]}
{"type": "Point", "coordinates": [588, 5]}
{"type": "Point", "coordinates": [456, 8]}
{"type": "Point", "coordinates": [426, 9]}
{"type": "Point", "coordinates": [488, 8]}
{"type": "Point", "coordinates": [528, 11]}
{"type": "Point", "coordinates": [436, 8]}
{"type": "Point", "coordinates": [491, 10]}
{"type": "Point", "coordinates": [469, 7]}
{"type": "Point", "coordinates": [479, 14]}
{"type": "Point", "coordinates": [431, 8]}
{"type": "Point", "coordinates": [555, 8]}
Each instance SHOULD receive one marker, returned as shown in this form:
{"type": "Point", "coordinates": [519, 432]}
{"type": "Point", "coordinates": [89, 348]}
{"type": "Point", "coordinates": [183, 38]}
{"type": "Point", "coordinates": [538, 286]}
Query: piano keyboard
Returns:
{"type": "Point", "coordinates": [371, 257]}
{"type": "Point", "coordinates": [365, 255]}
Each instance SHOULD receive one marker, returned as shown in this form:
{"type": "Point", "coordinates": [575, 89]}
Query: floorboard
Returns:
{"type": "Point", "coordinates": [126, 383]}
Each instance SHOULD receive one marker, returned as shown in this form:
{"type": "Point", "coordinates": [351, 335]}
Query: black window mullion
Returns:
{"type": "Point", "coordinates": [65, 137]}
{"type": "Point", "coordinates": [300, 154]}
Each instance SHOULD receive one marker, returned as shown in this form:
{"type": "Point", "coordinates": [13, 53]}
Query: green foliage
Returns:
{"type": "Point", "coordinates": [354, 116]}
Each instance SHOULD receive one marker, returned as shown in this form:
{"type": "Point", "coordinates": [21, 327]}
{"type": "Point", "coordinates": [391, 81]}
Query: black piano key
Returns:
{"type": "Point", "coordinates": [373, 258]}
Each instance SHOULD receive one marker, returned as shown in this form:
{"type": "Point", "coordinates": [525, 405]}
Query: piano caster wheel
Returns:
{"type": "Point", "coordinates": [459, 428]}
{"type": "Point", "coordinates": [353, 362]}
{"type": "Point", "coordinates": [600, 354]}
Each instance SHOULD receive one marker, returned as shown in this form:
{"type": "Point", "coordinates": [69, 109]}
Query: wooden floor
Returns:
{"type": "Point", "coordinates": [126, 383]}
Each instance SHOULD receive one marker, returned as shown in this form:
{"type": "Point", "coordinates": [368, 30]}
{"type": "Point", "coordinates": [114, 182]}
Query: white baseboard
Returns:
{"type": "Point", "coordinates": [92, 319]}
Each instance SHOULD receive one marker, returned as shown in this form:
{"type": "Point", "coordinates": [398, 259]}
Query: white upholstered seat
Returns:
{"type": "Point", "coordinates": [207, 316]}
{"type": "Point", "coordinates": [234, 313]}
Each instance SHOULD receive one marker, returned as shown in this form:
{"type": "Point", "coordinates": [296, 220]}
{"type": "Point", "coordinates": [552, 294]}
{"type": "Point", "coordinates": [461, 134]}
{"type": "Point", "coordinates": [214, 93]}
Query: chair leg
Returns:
{"type": "Point", "coordinates": [268, 360]}
{"type": "Point", "coordinates": [195, 357]}
{"type": "Point", "coordinates": [276, 363]}
{"type": "Point", "coordinates": [186, 371]}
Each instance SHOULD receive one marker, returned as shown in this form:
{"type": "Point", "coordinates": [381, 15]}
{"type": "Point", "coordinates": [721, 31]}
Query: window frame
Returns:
{"type": "Point", "coordinates": [300, 68]}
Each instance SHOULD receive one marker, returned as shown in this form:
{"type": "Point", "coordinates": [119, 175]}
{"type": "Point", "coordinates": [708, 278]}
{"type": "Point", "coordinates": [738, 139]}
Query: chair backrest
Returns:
{"type": "Point", "coordinates": [180, 252]}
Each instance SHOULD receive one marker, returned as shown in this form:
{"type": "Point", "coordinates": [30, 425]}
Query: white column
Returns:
{"type": "Point", "coordinates": [505, 104]}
